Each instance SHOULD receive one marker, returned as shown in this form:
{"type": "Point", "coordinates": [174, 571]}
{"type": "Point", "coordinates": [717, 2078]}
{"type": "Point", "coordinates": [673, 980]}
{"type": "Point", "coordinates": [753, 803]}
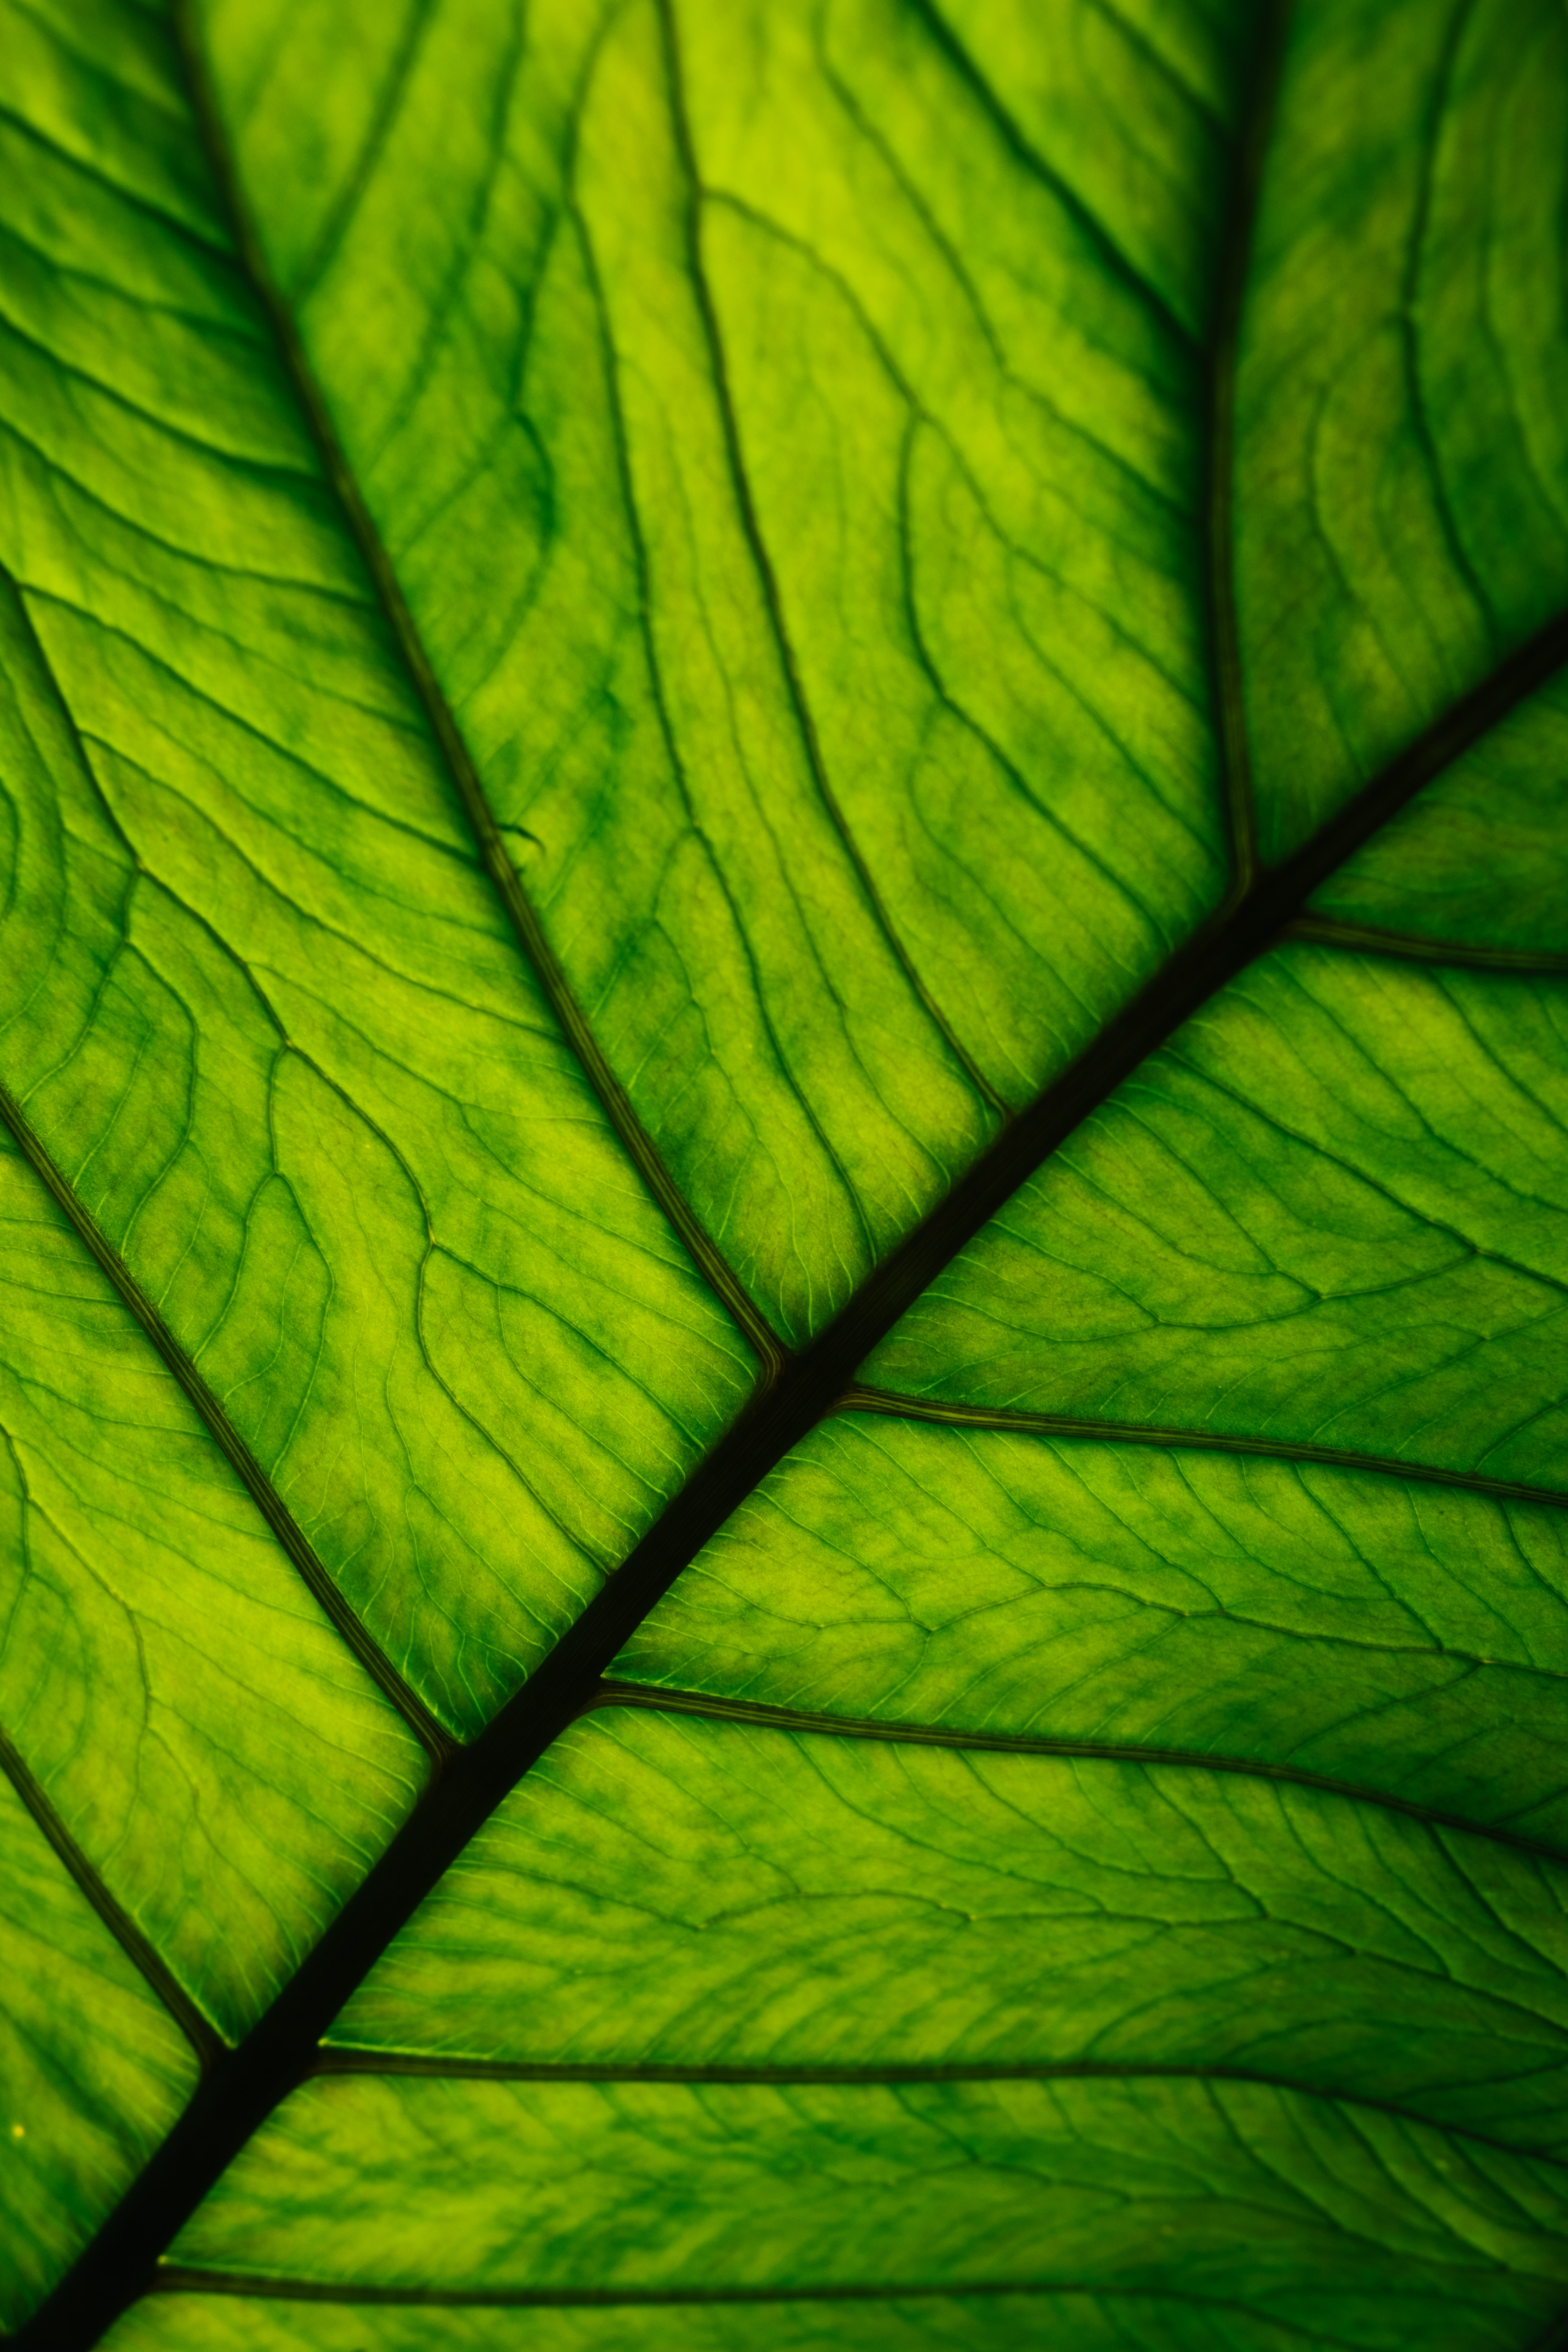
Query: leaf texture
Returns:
{"type": "Point", "coordinates": [95, 2068]}
{"type": "Point", "coordinates": [783, 1204]}
{"type": "Point", "coordinates": [1398, 1636]}
{"type": "Point", "coordinates": [1159, 2188]}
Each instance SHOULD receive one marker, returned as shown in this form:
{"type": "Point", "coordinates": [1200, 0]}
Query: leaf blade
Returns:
{"type": "Point", "coordinates": [799, 724]}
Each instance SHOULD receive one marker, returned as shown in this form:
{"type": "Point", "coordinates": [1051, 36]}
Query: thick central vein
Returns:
{"type": "Point", "coordinates": [245, 2085]}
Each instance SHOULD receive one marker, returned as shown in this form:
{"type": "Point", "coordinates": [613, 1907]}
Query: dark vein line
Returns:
{"type": "Point", "coordinates": [249, 2083]}
{"type": "Point", "coordinates": [263, 470]}
{"type": "Point", "coordinates": [945, 40]}
{"type": "Point", "coordinates": [1074, 427]}
{"type": "Point", "coordinates": [865, 128]}
{"type": "Point", "coordinates": [221, 329]}
{"type": "Point", "coordinates": [1409, 316]}
{"type": "Point", "coordinates": [456, 271]}
{"type": "Point", "coordinates": [175, 2279]}
{"type": "Point", "coordinates": [279, 1520]}
{"type": "Point", "coordinates": [218, 1426]}
{"type": "Point", "coordinates": [651, 1698]}
{"type": "Point", "coordinates": [132, 527]}
{"type": "Point", "coordinates": [432, 1249]}
{"type": "Point", "coordinates": [921, 418]}
{"type": "Point", "coordinates": [855, 1399]}
{"type": "Point", "coordinates": [948, 700]}
{"type": "Point", "coordinates": [28, 591]}
{"type": "Point", "coordinates": [144, 1956]}
{"type": "Point", "coordinates": [1410, 947]}
{"type": "Point", "coordinates": [168, 224]}
{"type": "Point", "coordinates": [340, 214]}
{"type": "Point", "coordinates": [123, 89]}
{"type": "Point", "coordinates": [1142, 43]}
{"type": "Point", "coordinates": [767, 579]}
{"type": "Point", "coordinates": [617, 1105]}
{"type": "Point", "coordinates": [809, 1110]}
{"type": "Point", "coordinates": [1387, 1189]}
{"type": "Point", "coordinates": [401, 2065]}
{"type": "Point", "coordinates": [1219, 447]}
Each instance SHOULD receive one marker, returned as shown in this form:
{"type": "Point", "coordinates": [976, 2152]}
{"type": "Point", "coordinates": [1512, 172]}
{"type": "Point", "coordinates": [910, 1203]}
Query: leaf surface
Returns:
{"type": "Point", "coordinates": [783, 1221]}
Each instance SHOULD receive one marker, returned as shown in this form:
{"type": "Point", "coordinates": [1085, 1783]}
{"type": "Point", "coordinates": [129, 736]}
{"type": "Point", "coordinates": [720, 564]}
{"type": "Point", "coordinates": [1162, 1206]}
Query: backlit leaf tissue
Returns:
{"type": "Point", "coordinates": [784, 1175]}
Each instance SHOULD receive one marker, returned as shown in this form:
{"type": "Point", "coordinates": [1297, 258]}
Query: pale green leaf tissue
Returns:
{"type": "Point", "coordinates": [626, 625]}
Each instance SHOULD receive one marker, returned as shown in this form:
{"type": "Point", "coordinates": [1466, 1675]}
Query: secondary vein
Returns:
{"type": "Point", "coordinates": [1412, 947]}
{"type": "Point", "coordinates": [178, 2279]}
{"type": "Point", "coordinates": [248, 2084]}
{"type": "Point", "coordinates": [652, 1698]}
{"type": "Point", "coordinates": [245, 2085]}
{"type": "Point", "coordinates": [335, 2061]}
{"type": "Point", "coordinates": [280, 1519]}
{"type": "Point", "coordinates": [1225, 635]}
{"type": "Point", "coordinates": [526, 925]}
{"type": "Point", "coordinates": [160, 1980]}
{"type": "Point", "coordinates": [856, 1399]}
{"type": "Point", "coordinates": [767, 579]}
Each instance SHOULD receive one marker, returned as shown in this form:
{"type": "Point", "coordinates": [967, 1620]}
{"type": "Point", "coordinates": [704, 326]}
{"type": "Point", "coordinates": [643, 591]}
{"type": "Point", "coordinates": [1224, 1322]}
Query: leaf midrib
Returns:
{"type": "Point", "coordinates": [245, 2085]}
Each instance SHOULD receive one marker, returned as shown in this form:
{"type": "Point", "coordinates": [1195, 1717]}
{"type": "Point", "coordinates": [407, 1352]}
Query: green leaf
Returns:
{"type": "Point", "coordinates": [96, 2069]}
{"type": "Point", "coordinates": [784, 1175]}
{"type": "Point", "coordinates": [762, 2187]}
{"type": "Point", "coordinates": [1398, 1635]}
{"type": "Point", "coordinates": [662, 1891]}
{"type": "Point", "coordinates": [948, 2322]}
